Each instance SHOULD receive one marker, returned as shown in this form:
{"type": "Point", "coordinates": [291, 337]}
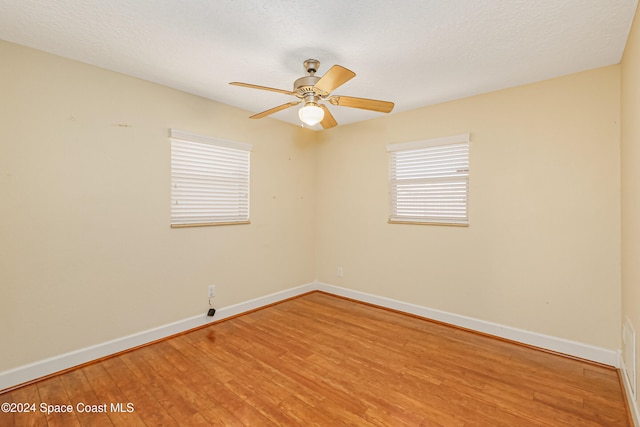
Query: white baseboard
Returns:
{"type": "Point", "coordinates": [560, 345]}
{"type": "Point", "coordinates": [633, 404]}
{"type": "Point", "coordinates": [42, 368]}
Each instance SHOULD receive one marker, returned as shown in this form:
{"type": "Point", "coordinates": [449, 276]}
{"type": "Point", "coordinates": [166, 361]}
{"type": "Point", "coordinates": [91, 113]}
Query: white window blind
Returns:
{"type": "Point", "coordinates": [209, 180]}
{"type": "Point", "coordinates": [429, 181]}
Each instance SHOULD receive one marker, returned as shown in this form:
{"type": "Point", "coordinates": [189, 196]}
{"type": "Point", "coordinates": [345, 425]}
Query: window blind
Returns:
{"type": "Point", "coordinates": [429, 181]}
{"type": "Point", "coordinates": [209, 180]}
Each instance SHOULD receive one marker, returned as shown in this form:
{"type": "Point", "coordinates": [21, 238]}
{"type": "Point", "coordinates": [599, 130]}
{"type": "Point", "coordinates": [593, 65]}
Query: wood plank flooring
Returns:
{"type": "Point", "coordinates": [323, 360]}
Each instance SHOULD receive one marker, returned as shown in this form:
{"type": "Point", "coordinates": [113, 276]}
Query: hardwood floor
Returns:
{"type": "Point", "coordinates": [323, 360]}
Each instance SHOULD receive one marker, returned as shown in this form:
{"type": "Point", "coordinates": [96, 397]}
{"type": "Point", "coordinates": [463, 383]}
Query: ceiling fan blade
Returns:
{"type": "Point", "coordinates": [362, 103]}
{"type": "Point", "coordinates": [334, 78]}
{"type": "Point", "coordinates": [328, 121]}
{"type": "Point", "coordinates": [286, 92]}
{"type": "Point", "coordinates": [274, 110]}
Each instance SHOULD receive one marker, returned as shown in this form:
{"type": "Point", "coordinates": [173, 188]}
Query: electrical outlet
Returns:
{"type": "Point", "coordinates": [211, 291]}
{"type": "Point", "coordinates": [340, 271]}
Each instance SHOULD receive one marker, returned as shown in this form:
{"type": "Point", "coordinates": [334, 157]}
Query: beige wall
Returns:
{"type": "Point", "coordinates": [86, 251]}
{"type": "Point", "coordinates": [542, 252]}
{"type": "Point", "coordinates": [631, 180]}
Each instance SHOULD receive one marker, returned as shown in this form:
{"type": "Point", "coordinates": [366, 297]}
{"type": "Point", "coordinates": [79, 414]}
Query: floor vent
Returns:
{"type": "Point", "coordinates": [629, 354]}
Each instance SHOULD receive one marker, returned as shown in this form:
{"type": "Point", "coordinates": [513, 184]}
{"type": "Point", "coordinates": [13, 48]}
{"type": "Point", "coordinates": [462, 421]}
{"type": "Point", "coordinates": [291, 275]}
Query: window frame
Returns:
{"type": "Point", "coordinates": [455, 182]}
{"type": "Point", "coordinates": [224, 168]}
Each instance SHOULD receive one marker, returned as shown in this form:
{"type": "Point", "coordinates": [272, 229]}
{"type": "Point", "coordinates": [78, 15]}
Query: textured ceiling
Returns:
{"type": "Point", "coordinates": [412, 52]}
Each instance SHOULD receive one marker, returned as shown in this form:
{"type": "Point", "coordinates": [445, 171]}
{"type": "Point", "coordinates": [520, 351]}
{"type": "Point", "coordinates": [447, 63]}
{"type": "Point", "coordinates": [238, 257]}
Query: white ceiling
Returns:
{"type": "Point", "coordinates": [412, 52]}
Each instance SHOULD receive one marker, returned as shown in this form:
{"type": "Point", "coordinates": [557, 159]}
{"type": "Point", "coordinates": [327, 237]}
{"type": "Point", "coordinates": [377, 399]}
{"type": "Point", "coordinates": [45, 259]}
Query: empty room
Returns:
{"type": "Point", "coordinates": [319, 213]}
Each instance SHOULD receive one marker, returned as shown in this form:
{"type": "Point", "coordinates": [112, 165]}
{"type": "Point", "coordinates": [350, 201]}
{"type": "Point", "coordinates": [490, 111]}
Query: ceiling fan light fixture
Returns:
{"type": "Point", "coordinates": [311, 89]}
{"type": "Point", "coordinates": [311, 114]}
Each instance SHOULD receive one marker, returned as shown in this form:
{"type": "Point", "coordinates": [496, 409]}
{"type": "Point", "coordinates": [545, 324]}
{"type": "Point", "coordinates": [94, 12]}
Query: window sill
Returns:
{"type": "Point", "coordinates": [446, 224]}
{"type": "Point", "coordinates": [208, 224]}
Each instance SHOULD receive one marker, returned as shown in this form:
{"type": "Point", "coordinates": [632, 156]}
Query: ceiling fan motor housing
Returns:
{"type": "Point", "coordinates": [306, 85]}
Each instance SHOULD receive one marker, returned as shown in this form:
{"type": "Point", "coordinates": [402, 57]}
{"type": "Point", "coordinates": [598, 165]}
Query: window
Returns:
{"type": "Point", "coordinates": [209, 180]}
{"type": "Point", "coordinates": [429, 181]}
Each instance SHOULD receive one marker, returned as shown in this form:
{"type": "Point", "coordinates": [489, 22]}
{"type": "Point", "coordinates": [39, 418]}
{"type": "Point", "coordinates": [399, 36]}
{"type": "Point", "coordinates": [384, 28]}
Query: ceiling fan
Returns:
{"type": "Point", "coordinates": [312, 89]}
